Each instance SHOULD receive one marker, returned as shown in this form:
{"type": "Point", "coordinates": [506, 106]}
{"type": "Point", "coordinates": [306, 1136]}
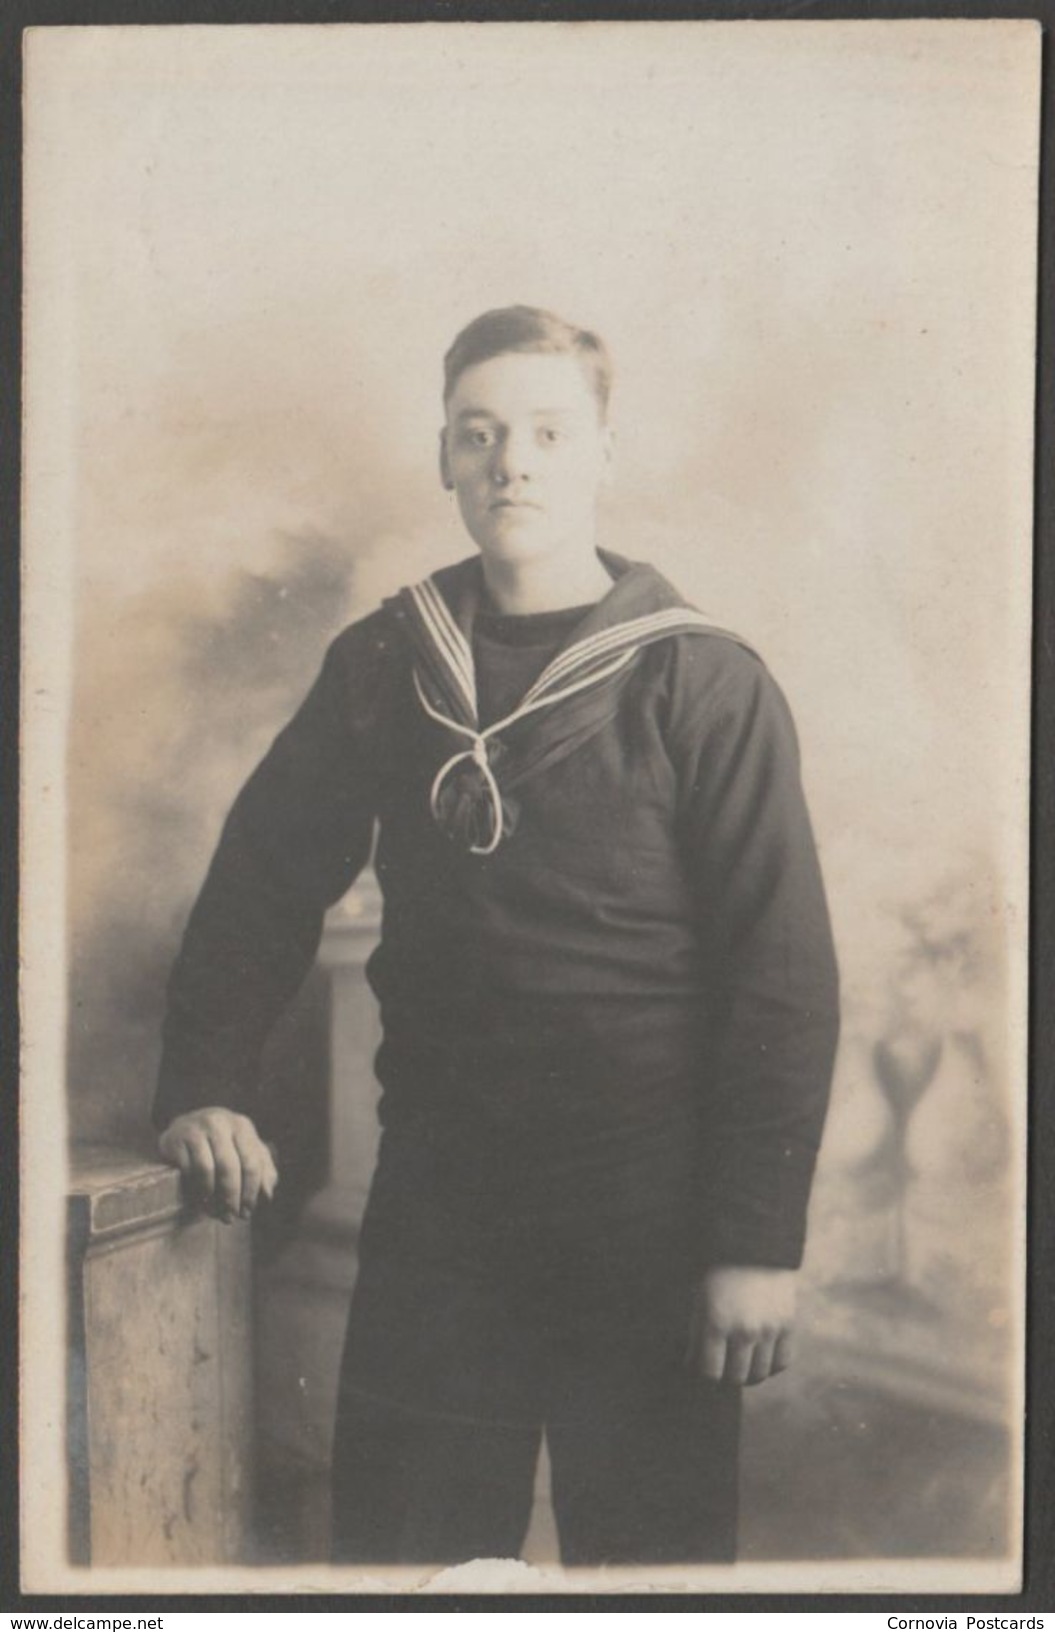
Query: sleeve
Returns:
{"type": "Point", "coordinates": [297, 835]}
{"type": "Point", "coordinates": [769, 959]}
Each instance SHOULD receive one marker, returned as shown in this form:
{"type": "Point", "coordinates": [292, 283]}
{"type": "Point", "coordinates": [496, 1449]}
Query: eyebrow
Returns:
{"type": "Point", "coordinates": [537, 413]}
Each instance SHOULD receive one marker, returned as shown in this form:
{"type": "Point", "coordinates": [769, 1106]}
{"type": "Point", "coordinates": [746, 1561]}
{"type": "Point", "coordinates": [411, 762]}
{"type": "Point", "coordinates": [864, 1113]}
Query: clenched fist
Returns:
{"type": "Point", "coordinates": [224, 1162]}
{"type": "Point", "coordinates": [742, 1323]}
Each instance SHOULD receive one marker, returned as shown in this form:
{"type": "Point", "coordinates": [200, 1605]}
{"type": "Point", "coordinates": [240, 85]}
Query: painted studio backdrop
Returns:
{"type": "Point", "coordinates": [810, 248]}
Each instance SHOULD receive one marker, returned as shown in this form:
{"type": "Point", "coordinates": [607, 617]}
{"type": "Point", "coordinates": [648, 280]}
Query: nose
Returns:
{"type": "Point", "coordinates": [512, 460]}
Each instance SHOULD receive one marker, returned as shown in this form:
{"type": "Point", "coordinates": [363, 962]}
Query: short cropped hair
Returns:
{"type": "Point", "coordinates": [529, 329]}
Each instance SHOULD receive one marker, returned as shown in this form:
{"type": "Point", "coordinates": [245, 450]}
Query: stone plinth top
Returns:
{"type": "Point", "coordinates": [113, 1190]}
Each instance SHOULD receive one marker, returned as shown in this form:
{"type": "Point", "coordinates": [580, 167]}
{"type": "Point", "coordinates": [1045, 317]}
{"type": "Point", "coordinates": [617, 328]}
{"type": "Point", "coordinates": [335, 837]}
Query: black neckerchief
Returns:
{"type": "Point", "coordinates": [574, 697]}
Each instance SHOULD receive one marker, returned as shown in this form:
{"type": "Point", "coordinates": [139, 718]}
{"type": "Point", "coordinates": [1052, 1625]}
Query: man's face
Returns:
{"type": "Point", "coordinates": [525, 451]}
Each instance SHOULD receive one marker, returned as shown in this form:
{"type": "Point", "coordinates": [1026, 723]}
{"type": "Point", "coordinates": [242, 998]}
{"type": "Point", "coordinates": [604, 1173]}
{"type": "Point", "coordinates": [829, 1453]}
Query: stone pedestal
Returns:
{"type": "Point", "coordinates": [303, 1294]}
{"type": "Point", "coordinates": [349, 938]}
{"type": "Point", "coordinates": [160, 1346]}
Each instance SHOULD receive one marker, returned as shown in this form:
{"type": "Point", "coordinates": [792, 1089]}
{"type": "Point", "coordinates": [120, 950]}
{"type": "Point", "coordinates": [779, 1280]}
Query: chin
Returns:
{"type": "Point", "coordinates": [517, 544]}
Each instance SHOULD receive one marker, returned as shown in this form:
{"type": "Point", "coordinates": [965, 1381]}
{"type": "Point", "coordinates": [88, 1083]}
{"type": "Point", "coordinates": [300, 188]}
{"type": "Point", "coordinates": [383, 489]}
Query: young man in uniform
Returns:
{"type": "Point", "coordinates": [608, 999]}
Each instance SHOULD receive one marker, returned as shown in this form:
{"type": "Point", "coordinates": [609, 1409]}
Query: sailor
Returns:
{"type": "Point", "coordinates": [608, 997]}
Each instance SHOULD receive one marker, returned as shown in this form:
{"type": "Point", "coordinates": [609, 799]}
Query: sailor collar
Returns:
{"type": "Point", "coordinates": [572, 698]}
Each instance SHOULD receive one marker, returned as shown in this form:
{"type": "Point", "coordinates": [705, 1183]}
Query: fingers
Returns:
{"type": "Point", "coordinates": [739, 1351]}
{"type": "Point", "coordinates": [740, 1361]}
{"type": "Point", "coordinates": [739, 1358]}
{"type": "Point", "coordinates": [193, 1157]}
{"type": "Point", "coordinates": [761, 1360]}
{"type": "Point", "coordinates": [783, 1352]}
{"type": "Point", "coordinates": [228, 1188]}
{"type": "Point", "coordinates": [223, 1160]}
{"type": "Point", "coordinates": [270, 1175]}
{"type": "Point", "coordinates": [742, 1318]}
{"type": "Point", "coordinates": [705, 1348]}
{"type": "Point", "coordinates": [201, 1164]}
{"type": "Point", "coordinates": [713, 1355]}
{"type": "Point", "coordinates": [258, 1172]}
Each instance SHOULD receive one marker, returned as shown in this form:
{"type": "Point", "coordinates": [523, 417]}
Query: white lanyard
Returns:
{"type": "Point", "coordinates": [478, 752]}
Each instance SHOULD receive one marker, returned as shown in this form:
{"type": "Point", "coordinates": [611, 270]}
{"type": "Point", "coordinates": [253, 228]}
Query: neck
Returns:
{"type": "Point", "coordinates": [522, 587]}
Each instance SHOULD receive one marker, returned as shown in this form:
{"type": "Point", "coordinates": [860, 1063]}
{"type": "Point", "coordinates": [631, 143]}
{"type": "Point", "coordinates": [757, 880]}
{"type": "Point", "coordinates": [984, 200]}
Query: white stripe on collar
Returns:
{"type": "Point", "coordinates": [571, 669]}
{"type": "Point", "coordinates": [451, 644]}
{"type": "Point", "coordinates": [632, 633]}
{"type": "Point", "coordinates": [479, 739]}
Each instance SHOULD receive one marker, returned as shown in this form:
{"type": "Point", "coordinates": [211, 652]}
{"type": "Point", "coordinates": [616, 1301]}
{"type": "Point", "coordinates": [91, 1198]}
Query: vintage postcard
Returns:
{"type": "Point", "coordinates": [557, 499]}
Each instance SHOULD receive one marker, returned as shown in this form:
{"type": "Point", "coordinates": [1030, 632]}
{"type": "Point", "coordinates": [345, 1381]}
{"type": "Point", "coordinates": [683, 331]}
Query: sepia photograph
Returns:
{"type": "Point", "coordinates": [525, 816]}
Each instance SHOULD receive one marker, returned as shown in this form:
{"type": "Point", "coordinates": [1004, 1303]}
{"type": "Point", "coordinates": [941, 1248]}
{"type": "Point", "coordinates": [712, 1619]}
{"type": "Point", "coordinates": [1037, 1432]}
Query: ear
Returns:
{"type": "Point", "coordinates": [445, 464]}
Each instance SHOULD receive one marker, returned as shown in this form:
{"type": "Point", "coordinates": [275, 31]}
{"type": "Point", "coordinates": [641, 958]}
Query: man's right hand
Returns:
{"type": "Point", "coordinates": [224, 1161]}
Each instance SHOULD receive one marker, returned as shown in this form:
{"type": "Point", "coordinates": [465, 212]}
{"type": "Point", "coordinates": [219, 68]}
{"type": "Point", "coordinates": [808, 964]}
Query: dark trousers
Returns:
{"type": "Point", "coordinates": [481, 1318]}
{"type": "Point", "coordinates": [655, 1485]}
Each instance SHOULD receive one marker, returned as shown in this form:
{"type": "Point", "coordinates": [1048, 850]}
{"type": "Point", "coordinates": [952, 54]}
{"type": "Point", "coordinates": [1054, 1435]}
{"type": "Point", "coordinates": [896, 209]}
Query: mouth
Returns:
{"type": "Point", "coordinates": [515, 504]}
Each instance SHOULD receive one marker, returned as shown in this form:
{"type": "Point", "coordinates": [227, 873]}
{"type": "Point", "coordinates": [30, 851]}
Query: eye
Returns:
{"type": "Point", "coordinates": [551, 434]}
{"type": "Point", "coordinates": [480, 438]}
